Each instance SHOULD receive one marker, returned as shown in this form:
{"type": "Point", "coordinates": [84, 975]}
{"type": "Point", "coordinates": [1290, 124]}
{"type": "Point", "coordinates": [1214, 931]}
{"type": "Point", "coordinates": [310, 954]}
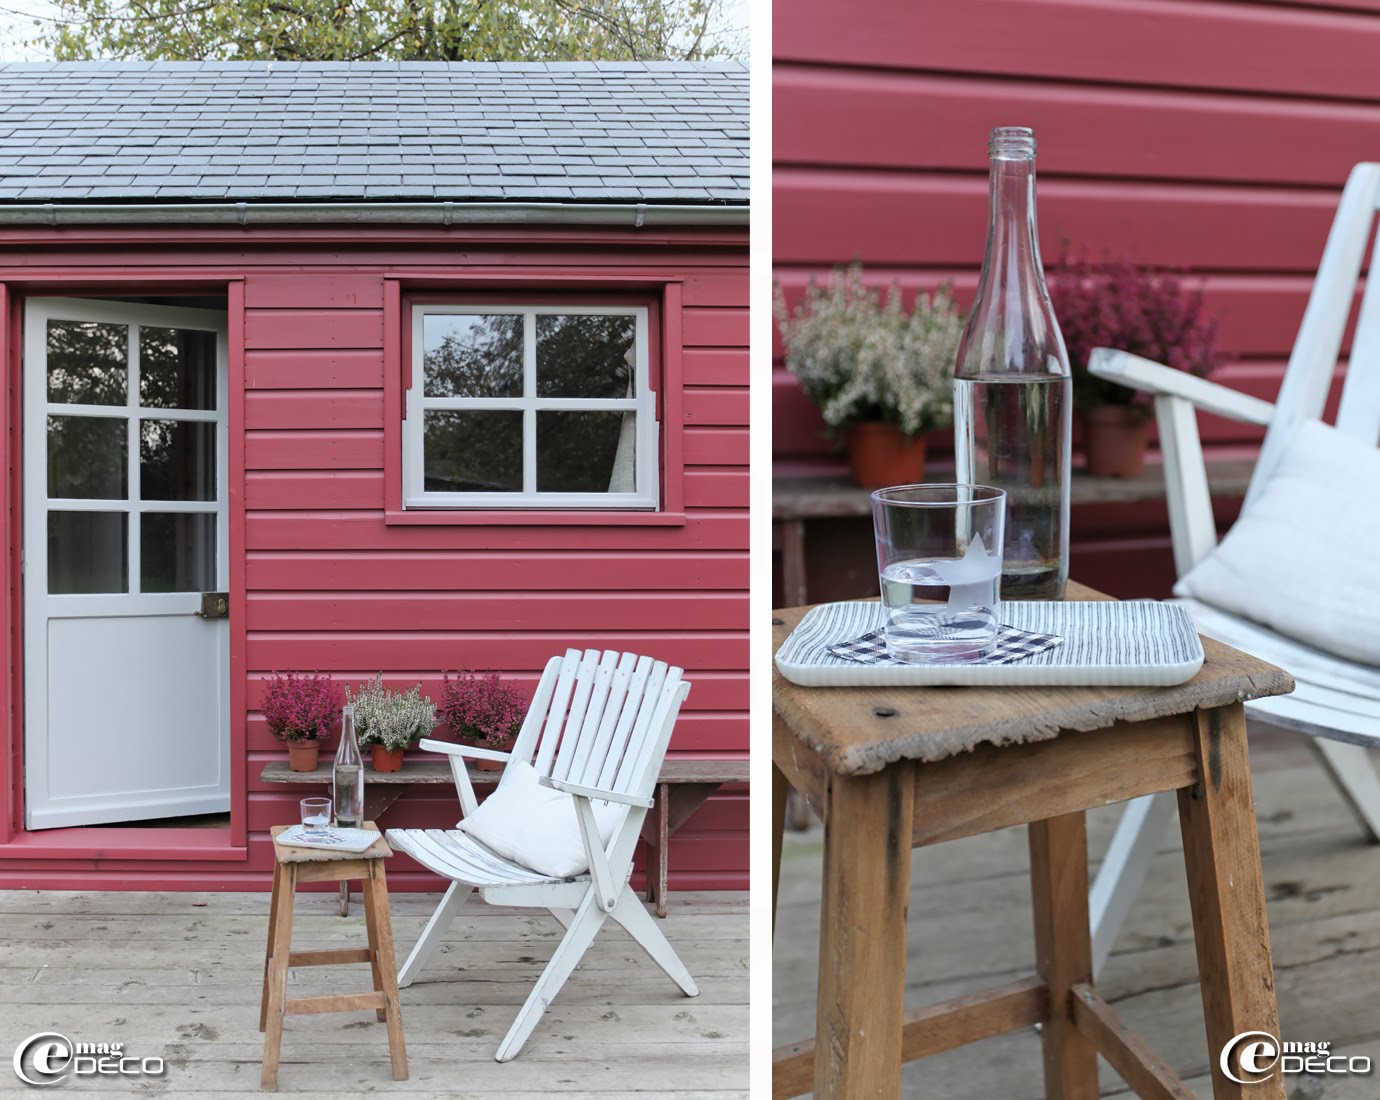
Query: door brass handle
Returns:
{"type": "Point", "coordinates": [214, 605]}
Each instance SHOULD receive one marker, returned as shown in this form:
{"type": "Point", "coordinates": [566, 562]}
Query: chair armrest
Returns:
{"type": "Point", "coordinates": [1155, 378]}
{"type": "Point", "coordinates": [462, 750]}
{"type": "Point", "coordinates": [595, 792]}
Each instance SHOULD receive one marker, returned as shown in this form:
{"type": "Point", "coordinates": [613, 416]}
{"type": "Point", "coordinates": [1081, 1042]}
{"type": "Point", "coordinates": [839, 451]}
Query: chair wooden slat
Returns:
{"type": "Point", "coordinates": [555, 715]}
{"type": "Point", "coordinates": [525, 747]}
{"type": "Point", "coordinates": [582, 722]}
{"type": "Point", "coordinates": [594, 744]}
{"type": "Point", "coordinates": [613, 763]}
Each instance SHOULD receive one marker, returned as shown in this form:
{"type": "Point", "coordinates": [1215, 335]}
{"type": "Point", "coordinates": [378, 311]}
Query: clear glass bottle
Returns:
{"type": "Point", "coordinates": [348, 775]}
{"type": "Point", "coordinates": [1013, 401]}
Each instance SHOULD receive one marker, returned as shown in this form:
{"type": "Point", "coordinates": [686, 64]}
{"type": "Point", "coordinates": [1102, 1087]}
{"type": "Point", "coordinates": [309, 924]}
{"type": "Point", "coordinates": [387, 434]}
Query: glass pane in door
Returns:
{"type": "Point", "coordinates": [177, 368]}
{"type": "Point", "coordinates": [177, 460]}
{"type": "Point", "coordinates": [177, 552]}
{"type": "Point", "coordinates": [88, 552]}
{"type": "Point", "coordinates": [87, 457]}
{"type": "Point", "coordinates": [88, 363]}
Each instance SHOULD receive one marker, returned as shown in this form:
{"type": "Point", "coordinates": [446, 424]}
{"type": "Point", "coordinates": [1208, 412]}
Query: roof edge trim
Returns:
{"type": "Point", "coordinates": [637, 215]}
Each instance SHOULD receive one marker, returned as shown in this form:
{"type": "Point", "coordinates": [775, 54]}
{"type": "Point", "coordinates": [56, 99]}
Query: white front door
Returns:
{"type": "Point", "coordinates": [126, 687]}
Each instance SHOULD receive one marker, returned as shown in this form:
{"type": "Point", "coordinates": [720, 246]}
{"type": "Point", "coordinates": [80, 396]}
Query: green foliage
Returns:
{"type": "Point", "coordinates": [386, 30]}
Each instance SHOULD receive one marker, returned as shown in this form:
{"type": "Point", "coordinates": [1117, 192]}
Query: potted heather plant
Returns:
{"type": "Point", "coordinates": [390, 721]}
{"type": "Point", "coordinates": [483, 711]}
{"type": "Point", "coordinates": [1137, 308]}
{"type": "Point", "coordinates": [880, 376]}
{"type": "Point", "coordinates": [301, 710]}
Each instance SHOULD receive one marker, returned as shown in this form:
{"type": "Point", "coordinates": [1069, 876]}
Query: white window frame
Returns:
{"type": "Point", "coordinates": [647, 476]}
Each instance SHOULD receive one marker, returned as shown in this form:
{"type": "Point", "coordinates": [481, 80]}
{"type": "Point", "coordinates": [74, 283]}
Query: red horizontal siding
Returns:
{"type": "Point", "coordinates": [1160, 43]}
{"type": "Point", "coordinates": [1194, 135]}
{"type": "Point", "coordinates": [330, 585]}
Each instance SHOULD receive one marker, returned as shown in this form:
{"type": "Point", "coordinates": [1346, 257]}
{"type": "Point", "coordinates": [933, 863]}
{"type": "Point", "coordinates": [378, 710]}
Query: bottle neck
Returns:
{"type": "Point", "coordinates": [1013, 245]}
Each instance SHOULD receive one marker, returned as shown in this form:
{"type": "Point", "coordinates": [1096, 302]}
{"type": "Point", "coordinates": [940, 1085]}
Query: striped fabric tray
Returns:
{"type": "Point", "coordinates": [1135, 643]}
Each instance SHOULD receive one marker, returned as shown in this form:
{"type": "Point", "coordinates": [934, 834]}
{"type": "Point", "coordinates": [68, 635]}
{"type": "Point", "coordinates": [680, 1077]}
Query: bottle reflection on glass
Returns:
{"type": "Point", "coordinates": [1013, 402]}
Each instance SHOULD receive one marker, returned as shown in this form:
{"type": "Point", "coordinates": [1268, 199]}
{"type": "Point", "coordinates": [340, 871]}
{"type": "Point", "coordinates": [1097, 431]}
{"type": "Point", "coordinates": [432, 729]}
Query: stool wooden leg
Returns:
{"type": "Point", "coordinates": [371, 928]}
{"type": "Point", "coordinates": [1063, 950]}
{"type": "Point", "coordinates": [344, 897]}
{"type": "Point", "coordinates": [379, 920]}
{"type": "Point", "coordinates": [780, 791]}
{"type": "Point", "coordinates": [862, 942]}
{"type": "Point", "coordinates": [663, 843]}
{"type": "Point", "coordinates": [268, 948]}
{"type": "Point", "coordinates": [1227, 895]}
{"type": "Point", "coordinates": [277, 977]}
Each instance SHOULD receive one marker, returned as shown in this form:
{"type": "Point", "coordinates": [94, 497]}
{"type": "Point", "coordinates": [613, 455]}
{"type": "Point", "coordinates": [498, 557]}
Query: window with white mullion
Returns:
{"type": "Point", "coordinates": [546, 406]}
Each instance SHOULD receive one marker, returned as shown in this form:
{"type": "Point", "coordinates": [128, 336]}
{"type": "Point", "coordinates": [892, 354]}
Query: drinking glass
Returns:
{"type": "Point", "coordinates": [316, 817]}
{"type": "Point", "coordinates": [939, 550]}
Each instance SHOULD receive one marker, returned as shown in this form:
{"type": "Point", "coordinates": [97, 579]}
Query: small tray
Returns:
{"type": "Point", "coordinates": [1132, 643]}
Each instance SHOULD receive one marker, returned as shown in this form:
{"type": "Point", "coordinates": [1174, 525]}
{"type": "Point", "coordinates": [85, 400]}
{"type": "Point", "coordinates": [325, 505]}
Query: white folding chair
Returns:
{"type": "Point", "coordinates": [597, 729]}
{"type": "Point", "coordinates": [1336, 702]}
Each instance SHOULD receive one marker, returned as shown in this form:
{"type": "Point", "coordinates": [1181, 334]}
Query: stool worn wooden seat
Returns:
{"type": "Point", "coordinates": [293, 865]}
{"type": "Point", "coordinates": [892, 768]}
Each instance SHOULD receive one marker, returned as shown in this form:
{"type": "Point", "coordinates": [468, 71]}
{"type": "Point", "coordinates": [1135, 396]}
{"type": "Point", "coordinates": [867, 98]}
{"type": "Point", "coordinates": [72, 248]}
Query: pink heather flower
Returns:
{"type": "Point", "coordinates": [1132, 307]}
{"type": "Point", "coordinates": [301, 708]}
{"type": "Point", "coordinates": [481, 708]}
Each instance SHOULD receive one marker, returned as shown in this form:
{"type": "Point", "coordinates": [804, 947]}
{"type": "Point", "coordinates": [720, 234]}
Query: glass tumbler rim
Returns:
{"type": "Point", "coordinates": [989, 494]}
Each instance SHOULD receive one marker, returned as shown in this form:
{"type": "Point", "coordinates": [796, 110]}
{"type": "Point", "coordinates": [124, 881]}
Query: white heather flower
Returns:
{"type": "Point", "coordinates": [860, 357]}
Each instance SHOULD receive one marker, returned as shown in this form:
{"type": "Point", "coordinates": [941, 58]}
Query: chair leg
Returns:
{"type": "Point", "coordinates": [1353, 771]}
{"type": "Point", "coordinates": [1124, 868]}
{"type": "Point", "coordinates": [638, 923]}
{"type": "Point", "coordinates": [456, 896]}
{"type": "Point", "coordinates": [589, 918]}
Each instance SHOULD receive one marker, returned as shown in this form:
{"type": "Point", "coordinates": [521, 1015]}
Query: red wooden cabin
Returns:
{"type": "Point", "coordinates": [424, 367]}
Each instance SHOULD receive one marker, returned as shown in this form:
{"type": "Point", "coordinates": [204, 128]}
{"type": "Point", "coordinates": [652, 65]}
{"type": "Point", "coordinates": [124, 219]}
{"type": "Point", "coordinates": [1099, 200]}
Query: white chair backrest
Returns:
{"type": "Point", "coordinates": [1303, 394]}
{"type": "Point", "coordinates": [602, 720]}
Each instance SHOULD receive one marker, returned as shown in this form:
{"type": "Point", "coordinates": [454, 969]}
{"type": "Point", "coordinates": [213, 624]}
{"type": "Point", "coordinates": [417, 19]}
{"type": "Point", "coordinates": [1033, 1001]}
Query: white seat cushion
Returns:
{"type": "Point", "coordinates": [535, 825]}
{"type": "Point", "coordinates": [1332, 697]}
{"type": "Point", "coordinates": [1301, 559]}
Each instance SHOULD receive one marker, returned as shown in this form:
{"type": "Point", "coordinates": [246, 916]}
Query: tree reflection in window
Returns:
{"type": "Point", "coordinates": [88, 363]}
{"type": "Point", "coordinates": [467, 355]}
{"type": "Point", "coordinates": [585, 355]}
{"type": "Point", "coordinates": [177, 368]}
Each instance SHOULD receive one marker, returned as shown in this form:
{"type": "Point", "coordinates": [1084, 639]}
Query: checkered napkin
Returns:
{"type": "Point", "coordinates": [1011, 645]}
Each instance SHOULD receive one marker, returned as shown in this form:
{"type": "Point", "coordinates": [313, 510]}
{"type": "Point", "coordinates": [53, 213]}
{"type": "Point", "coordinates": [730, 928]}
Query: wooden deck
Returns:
{"type": "Point", "coordinates": [177, 976]}
{"type": "Point", "coordinates": [970, 926]}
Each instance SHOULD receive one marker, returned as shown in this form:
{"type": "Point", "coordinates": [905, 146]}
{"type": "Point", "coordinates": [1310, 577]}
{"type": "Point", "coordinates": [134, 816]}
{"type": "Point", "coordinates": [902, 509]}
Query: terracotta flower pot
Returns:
{"type": "Point", "coordinates": [879, 455]}
{"type": "Point", "coordinates": [302, 755]}
{"type": "Point", "coordinates": [488, 765]}
{"type": "Point", "coordinates": [1114, 440]}
{"type": "Point", "coordinates": [386, 760]}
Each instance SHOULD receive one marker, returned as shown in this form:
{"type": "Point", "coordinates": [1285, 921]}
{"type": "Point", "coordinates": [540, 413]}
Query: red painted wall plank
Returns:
{"type": "Point", "coordinates": [313, 369]}
{"type": "Point", "coordinates": [313, 409]}
{"type": "Point", "coordinates": [314, 328]}
{"type": "Point", "coordinates": [552, 570]}
{"type": "Point", "coordinates": [852, 118]}
{"type": "Point", "coordinates": [824, 216]}
{"type": "Point", "coordinates": [312, 290]}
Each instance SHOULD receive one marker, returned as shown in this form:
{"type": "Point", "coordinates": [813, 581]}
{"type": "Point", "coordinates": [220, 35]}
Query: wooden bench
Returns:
{"type": "Point", "coordinates": [683, 787]}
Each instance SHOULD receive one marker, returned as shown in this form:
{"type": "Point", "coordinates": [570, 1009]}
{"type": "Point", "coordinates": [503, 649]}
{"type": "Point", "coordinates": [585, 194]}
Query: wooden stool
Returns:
{"type": "Point", "coordinates": [889, 769]}
{"type": "Point", "coordinates": [291, 866]}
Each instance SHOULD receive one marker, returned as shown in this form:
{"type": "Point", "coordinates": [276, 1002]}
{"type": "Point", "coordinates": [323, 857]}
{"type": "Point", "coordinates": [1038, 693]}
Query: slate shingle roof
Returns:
{"type": "Point", "coordinates": [654, 132]}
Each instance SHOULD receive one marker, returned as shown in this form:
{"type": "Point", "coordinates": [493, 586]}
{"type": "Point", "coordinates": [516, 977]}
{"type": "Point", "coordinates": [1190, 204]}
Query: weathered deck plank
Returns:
{"type": "Point", "coordinates": [970, 927]}
{"type": "Point", "coordinates": [177, 976]}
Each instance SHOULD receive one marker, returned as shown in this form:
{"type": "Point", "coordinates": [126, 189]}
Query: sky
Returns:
{"type": "Point", "coordinates": [17, 28]}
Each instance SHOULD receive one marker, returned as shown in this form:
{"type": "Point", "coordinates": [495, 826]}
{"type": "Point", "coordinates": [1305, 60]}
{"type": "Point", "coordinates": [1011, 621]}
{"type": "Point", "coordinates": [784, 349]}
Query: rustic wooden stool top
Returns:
{"type": "Point", "coordinates": [883, 764]}
{"type": "Point", "coordinates": [293, 864]}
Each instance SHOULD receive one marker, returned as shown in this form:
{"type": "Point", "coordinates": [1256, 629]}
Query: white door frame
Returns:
{"type": "Point", "coordinates": [40, 606]}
